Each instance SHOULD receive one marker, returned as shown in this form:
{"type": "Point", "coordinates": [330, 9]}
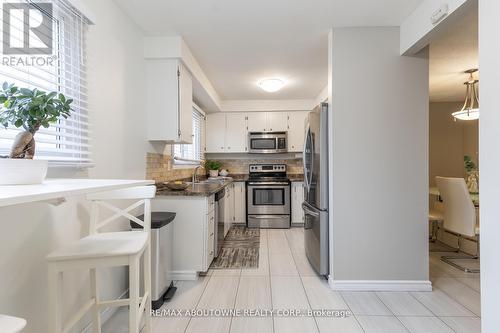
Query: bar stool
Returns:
{"type": "Point", "coordinates": [10, 324]}
{"type": "Point", "coordinates": [108, 249]}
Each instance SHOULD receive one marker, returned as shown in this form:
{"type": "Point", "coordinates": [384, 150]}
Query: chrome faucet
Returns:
{"type": "Point", "coordinates": [195, 176]}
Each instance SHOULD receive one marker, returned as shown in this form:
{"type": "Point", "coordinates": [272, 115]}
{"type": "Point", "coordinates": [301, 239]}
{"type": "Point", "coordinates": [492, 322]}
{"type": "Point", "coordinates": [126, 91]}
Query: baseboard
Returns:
{"type": "Point", "coordinates": [380, 285]}
{"type": "Point", "coordinates": [105, 314]}
{"type": "Point", "coordinates": [183, 275]}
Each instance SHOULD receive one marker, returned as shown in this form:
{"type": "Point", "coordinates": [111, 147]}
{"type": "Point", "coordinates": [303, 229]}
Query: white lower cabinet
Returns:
{"type": "Point", "coordinates": [240, 214]}
{"type": "Point", "coordinates": [229, 208]}
{"type": "Point", "coordinates": [297, 200]}
{"type": "Point", "coordinates": [193, 233]}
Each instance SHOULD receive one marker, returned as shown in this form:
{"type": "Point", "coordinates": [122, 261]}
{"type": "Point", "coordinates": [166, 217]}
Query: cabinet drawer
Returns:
{"type": "Point", "coordinates": [210, 204]}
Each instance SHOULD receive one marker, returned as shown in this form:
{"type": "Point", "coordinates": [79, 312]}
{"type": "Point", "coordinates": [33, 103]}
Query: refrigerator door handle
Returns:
{"type": "Point", "coordinates": [304, 154]}
{"type": "Point", "coordinates": [309, 211]}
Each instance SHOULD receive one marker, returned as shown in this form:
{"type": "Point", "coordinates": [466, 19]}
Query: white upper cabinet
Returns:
{"type": "Point", "coordinates": [276, 121]}
{"type": "Point", "coordinates": [296, 130]}
{"type": "Point", "coordinates": [169, 101]}
{"type": "Point", "coordinates": [226, 133]}
{"type": "Point", "coordinates": [267, 121]}
{"type": "Point", "coordinates": [236, 133]}
{"type": "Point", "coordinates": [257, 121]}
{"type": "Point", "coordinates": [216, 133]}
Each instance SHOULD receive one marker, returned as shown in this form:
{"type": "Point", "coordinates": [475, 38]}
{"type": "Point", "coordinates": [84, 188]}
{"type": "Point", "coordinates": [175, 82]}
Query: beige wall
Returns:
{"type": "Point", "coordinates": [449, 141]}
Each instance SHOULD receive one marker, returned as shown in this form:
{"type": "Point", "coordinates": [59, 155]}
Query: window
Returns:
{"type": "Point", "coordinates": [196, 150]}
{"type": "Point", "coordinates": [67, 141]}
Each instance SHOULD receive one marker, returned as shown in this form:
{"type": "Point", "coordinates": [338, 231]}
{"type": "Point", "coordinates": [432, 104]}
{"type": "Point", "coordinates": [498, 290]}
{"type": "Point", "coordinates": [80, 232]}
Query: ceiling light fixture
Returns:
{"type": "Point", "coordinates": [271, 85]}
{"type": "Point", "coordinates": [470, 110]}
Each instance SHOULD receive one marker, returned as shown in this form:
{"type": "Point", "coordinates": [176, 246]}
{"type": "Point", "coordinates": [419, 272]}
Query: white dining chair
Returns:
{"type": "Point", "coordinates": [110, 249]}
{"type": "Point", "coordinates": [459, 217]}
{"type": "Point", "coordinates": [9, 324]}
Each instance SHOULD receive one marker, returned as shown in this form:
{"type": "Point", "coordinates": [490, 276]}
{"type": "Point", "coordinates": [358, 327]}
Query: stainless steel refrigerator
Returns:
{"type": "Point", "coordinates": [315, 204]}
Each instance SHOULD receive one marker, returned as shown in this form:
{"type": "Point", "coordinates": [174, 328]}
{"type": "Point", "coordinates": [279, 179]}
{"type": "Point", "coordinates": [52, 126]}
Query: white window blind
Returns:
{"type": "Point", "coordinates": [196, 150]}
{"type": "Point", "coordinates": [67, 141]}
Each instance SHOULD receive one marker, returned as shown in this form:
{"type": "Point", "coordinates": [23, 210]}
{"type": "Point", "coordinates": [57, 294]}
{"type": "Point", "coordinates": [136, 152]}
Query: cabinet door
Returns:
{"type": "Point", "coordinates": [296, 130]}
{"type": "Point", "coordinates": [239, 202]}
{"type": "Point", "coordinates": [185, 106]}
{"type": "Point", "coordinates": [257, 122]}
{"type": "Point", "coordinates": [228, 209]}
{"type": "Point", "coordinates": [276, 121]}
{"type": "Point", "coordinates": [236, 133]}
{"type": "Point", "coordinates": [297, 200]}
{"type": "Point", "coordinates": [162, 97]}
{"type": "Point", "coordinates": [215, 134]}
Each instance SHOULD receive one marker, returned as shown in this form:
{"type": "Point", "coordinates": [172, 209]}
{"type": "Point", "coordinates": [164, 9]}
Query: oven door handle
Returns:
{"type": "Point", "coordinates": [268, 183]}
{"type": "Point", "coordinates": [267, 217]}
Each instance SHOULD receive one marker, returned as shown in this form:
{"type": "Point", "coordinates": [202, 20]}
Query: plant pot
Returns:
{"type": "Point", "coordinates": [473, 181]}
{"type": "Point", "coordinates": [18, 171]}
{"type": "Point", "coordinates": [213, 173]}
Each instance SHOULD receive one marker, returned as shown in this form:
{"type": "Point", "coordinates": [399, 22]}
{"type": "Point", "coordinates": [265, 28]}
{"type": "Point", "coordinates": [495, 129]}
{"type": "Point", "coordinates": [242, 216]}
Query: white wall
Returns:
{"type": "Point", "coordinates": [380, 150]}
{"type": "Point", "coordinates": [489, 139]}
{"type": "Point", "coordinates": [30, 232]}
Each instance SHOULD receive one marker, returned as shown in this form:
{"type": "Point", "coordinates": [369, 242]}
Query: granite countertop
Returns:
{"type": "Point", "coordinates": [296, 177]}
{"type": "Point", "coordinates": [198, 190]}
{"type": "Point", "coordinates": [209, 188]}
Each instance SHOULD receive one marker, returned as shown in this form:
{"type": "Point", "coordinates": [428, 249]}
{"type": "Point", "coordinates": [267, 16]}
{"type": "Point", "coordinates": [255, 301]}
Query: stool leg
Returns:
{"type": "Point", "coordinates": [134, 318]}
{"type": "Point", "coordinates": [94, 290]}
{"type": "Point", "coordinates": [147, 288]}
{"type": "Point", "coordinates": [55, 299]}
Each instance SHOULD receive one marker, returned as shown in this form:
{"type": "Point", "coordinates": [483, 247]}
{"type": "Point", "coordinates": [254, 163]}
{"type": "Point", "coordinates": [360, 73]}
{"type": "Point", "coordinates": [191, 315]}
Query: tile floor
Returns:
{"type": "Point", "coordinates": [285, 280]}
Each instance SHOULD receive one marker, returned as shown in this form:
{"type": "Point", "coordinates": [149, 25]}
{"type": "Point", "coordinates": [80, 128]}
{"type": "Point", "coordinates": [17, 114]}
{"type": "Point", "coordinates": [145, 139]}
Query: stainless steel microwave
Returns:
{"type": "Point", "coordinates": [267, 142]}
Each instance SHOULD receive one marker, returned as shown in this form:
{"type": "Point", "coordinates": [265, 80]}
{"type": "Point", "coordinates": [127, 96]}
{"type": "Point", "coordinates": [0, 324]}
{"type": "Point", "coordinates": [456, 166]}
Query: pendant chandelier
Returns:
{"type": "Point", "coordinates": [470, 110]}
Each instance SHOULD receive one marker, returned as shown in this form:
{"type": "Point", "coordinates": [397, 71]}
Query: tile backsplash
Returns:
{"type": "Point", "coordinates": [159, 167]}
{"type": "Point", "coordinates": [240, 166]}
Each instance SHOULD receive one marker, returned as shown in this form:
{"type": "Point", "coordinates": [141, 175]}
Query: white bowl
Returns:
{"type": "Point", "coordinates": [20, 171]}
{"type": "Point", "coordinates": [223, 173]}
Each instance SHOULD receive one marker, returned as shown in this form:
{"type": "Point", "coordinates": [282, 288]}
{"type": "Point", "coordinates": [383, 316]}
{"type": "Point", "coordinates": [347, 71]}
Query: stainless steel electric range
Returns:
{"type": "Point", "coordinates": [268, 196]}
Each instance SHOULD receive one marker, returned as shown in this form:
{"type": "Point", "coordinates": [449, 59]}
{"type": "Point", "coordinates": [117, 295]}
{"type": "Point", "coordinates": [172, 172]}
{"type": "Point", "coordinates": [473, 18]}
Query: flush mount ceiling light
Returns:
{"type": "Point", "coordinates": [470, 110]}
{"type": "Point", "coordinates": [271, 85]}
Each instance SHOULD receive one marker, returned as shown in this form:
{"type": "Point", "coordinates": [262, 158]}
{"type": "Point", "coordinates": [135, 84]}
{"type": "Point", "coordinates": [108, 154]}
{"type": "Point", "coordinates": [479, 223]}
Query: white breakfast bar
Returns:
{"type": "Point", "coordinates": [53, 192]}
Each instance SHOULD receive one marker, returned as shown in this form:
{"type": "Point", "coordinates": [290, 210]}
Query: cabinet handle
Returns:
{"type": "Point", "coordinates": [179, 102]}
{"type": "Point", "coordinates": [211, 234]}
{"type": "Point", "coordinates": [212, 218]}
{"type": "Point", "coordinates": [211, 252]}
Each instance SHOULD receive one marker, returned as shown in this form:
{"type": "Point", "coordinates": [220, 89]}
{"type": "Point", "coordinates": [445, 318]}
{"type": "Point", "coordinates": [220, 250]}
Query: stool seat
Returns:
{"type": "Point", "coordinates": [10, 324]}
{"type": "Point", "coordinates": [110, 244]}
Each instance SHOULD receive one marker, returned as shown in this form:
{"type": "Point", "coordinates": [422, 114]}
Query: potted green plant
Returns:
{"type": "Point", "coordinates": [29, 109]}
{"type": "Point", "coordinates": [213, 167]}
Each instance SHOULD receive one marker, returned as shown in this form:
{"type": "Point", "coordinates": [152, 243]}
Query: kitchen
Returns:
{"type": "Point", "coordinates": [211, 115]}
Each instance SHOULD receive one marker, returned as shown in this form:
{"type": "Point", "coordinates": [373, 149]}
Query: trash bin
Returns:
{"type": "Point", "coordinates": [162, 286]}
